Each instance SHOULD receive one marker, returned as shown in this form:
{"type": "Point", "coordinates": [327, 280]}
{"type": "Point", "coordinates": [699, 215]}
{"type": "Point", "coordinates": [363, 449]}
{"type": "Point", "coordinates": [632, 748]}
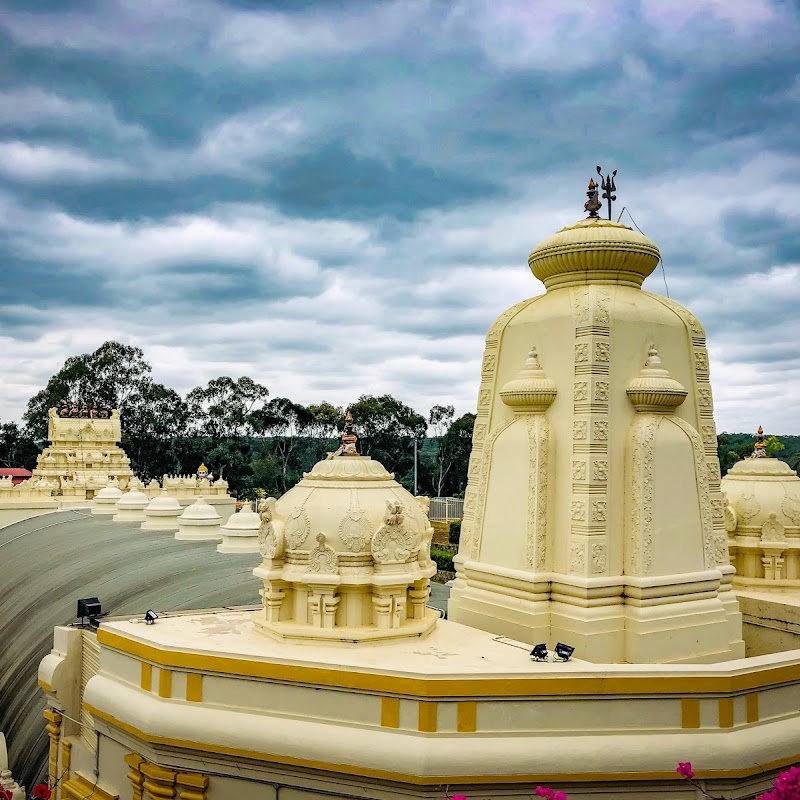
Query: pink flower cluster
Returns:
{"type": "Point", "coordinates": [550, 794]}
{"type": "Point", "coordinates": [787, 786]}
{"type": "Point", "coordinates": [685, 769]}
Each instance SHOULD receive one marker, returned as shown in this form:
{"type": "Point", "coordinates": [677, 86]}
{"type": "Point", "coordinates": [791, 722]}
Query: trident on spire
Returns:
{"type": "Point", "coordinates": [608, 186]}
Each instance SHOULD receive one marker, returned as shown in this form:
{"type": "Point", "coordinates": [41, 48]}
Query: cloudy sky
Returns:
{"type": "Point", "coordinates": [338, 198]}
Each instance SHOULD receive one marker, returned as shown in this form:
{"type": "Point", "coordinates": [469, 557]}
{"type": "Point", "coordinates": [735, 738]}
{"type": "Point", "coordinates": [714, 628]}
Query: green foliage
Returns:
{"type": "Point", "coordinates": [17, 448]}
{"type": "Point", "coordinates": [454, 535]}
{"type": "Point", "coordinates": [386, 429]}
{"type": "Point", "coordinates": [443, 559]}
{"type": "Point", "coordinates": [773, 445]}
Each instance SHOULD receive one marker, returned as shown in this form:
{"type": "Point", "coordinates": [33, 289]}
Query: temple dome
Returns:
{"type": "Point", "coordinates": [200, 510]}
{"type": "Point", "coordinates": [531, 390]}
{"type": "Point", "coordinates": [654, 389]}
{"type": "Point", "coordinates": [244, 520]}
{"type": "Point", "coordinates": [758, 489]}
{"type": "Point", "coordinates": [594, 250]}
{"type": "Point", "coordinates": [133, 499]}
{"type": "Point", "coordinates": [346, 555]}
{"type": "Point", "coordinates": [163, 502]}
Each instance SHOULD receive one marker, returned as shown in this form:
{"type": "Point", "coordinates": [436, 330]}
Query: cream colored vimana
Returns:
{"type": "Point", "coordinates": [593, 513]}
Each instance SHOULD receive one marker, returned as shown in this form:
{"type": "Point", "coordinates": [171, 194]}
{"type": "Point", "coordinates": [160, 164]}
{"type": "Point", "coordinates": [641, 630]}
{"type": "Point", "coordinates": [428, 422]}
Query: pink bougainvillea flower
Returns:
{"type": "Point", "coordinates": [550, 794]}
{"type": "Point", "coordinates": [459, 797]}
{"type": "Point", "coordinates": [685, 769]}
{"type": "Point", "coordinates": [5, 794]}
{"type": "Point", "coordinates": [41, 791]}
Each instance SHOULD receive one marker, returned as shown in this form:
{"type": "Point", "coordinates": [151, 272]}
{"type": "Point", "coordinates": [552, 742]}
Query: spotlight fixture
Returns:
{"type": "Point", "coordinates": [150, 617]}
{"type": "Point", "coordinates": [89, 608]}
{"type": "Point", "coordinates": [564, 652]}
{"type": "Point", "coordinates": [539, 652]}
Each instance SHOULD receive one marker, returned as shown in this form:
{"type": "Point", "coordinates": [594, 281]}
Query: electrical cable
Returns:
{"type": "Point", "coordinates": [661, 258]}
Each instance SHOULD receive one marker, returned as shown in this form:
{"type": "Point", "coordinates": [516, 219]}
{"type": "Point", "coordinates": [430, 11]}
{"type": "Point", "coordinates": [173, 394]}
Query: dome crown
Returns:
{"type": "Point", "coordinates": [655, 390]}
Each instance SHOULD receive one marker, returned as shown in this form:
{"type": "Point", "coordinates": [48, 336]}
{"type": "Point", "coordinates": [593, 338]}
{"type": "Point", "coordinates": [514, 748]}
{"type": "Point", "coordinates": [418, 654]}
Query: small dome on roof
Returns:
{"type": "Point", "coordinates": [244, 520]}
{"type": "Point", "coordinates": [133, 499]}
{"type": "Point", "coordinates": [109, 492]}
{"type": "Point", "coordinates": [163, 503]}
{"type": "Point", "coordinates": [200, 510]}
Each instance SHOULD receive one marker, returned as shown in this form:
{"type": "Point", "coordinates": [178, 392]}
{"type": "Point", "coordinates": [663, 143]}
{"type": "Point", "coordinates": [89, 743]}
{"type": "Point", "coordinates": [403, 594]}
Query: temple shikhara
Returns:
{"type": "Point", "coordinates": [594, 635]}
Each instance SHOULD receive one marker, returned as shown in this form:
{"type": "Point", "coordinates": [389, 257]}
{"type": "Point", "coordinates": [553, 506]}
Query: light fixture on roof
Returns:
{"type": "Point", "coordinates": [539, 652]}
{"type": "Point", "coordinates": [563, 652]}
{"type": "Point", "coordinates": [150, 617]}
{"type": "Point", "coordinates": [89, 609]}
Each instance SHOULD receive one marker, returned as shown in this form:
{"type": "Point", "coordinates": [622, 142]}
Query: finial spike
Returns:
{"type": "Point", "coordinates": [532, 361]}
{"type": "Point", "coordinates": [349, 438]}
{"type": "Point", "coordinates": [593, 204]}
{"type": "Point", "coordinates": [760, 450]}
{"type": "Point", "coordinates": [609, 186]}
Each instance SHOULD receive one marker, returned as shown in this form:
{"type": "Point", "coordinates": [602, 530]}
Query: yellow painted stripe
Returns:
{"type": "Point", "coordinates": [164, 682]}
{"type": "Point", "coordinates": [540, 685]}
{"type": "Point", "coordinates": [428, 716]}
{"type": "Point", "coordinates": [726, 712]}
{"type": "Point", "coordinates": [194, 687]}
{"type": "Point", "coordinates": [390, 712]}
{"type": "Point", "coordinates": [46, 686]}
{"type": "Point", "coordinates": [146, 681]}
{"type": "Point", "coordinates": [437, 780]}
{"type": "Point", "coordinates": [751, 707]}
{"type": "Point", "coordinates": [467, 717]}
{"type": "Point", "coordinates": [690, 712]}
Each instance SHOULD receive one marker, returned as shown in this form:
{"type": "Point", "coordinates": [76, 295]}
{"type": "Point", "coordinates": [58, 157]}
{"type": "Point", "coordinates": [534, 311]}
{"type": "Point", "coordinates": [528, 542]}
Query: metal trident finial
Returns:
{"type": "Point", "coordinates": [608, 186]}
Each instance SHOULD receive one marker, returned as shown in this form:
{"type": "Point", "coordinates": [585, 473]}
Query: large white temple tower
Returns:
{"type": "Point", "coordinates": [593, 513]}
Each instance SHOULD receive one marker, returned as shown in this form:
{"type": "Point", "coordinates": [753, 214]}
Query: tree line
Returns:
{"type": "Point", "coordinates": [257, 442]}
{"type": "Point", "coordinates": [254, 441]}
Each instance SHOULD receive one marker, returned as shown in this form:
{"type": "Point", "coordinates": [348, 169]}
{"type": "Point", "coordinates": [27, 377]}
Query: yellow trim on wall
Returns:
{"type": "Point", "coordinates": [751, 707]}
{"type": "Point", "coordinates": [690, 712]}
{"type": "Point", "coordinates": [726, 712]}
{"type": "Point", "coordinates": [428, 716]}
{"type": "Point", "coordinates": [435, 780]}
{"type": "Point", "coordinates": [467, 717]}
{"type": "Point", "coordinates": [164, 682]}
{"type": "Point", "coordinates": [194, 687]}
{"type": "Point", "coordinates": [544, 685]}
{"type": "Point", "coordinates": [46, 686]}
{"type": "Point", "coordinates": [390, 712]}
{"type": "Point", "coordinates": [146, 681]}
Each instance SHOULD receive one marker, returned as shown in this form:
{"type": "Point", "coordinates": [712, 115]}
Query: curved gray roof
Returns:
{"type": "Point", "coordinates": [48, 562]}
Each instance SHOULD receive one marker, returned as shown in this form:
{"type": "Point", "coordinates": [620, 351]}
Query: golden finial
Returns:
{"type": "Point", "coordinates": [593, 204]}
{"type": "Point", "coordinates": [760, 450]}
{"type": "Point", "coordinates": [349, 438]}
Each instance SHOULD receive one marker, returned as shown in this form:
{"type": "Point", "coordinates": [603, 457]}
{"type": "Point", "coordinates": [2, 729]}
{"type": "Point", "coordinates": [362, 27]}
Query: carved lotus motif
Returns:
{"type": "Point", "coordinates": [747, 507]}
{"type": "Point", "coordinates": [297, 528]}
{"type": "Point", "coordinates": [791, 507]}
{"type": "Point", "coordinates": [322, 559]}
{"type": "Point", "coordinates": [354, 531]}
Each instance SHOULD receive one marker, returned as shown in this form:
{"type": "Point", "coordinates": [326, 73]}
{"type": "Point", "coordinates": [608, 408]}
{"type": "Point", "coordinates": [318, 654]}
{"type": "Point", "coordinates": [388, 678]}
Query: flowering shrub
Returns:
{"type": "Point", "coordinates": [787, 784]}
{"type": "Point", "coordinates": [550, 794]}
{"type": "Point", "coordinates": [41, 791]}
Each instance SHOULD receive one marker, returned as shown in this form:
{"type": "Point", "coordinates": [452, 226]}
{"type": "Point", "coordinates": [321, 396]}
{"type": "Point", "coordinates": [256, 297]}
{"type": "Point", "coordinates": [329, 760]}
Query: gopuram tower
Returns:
{"type": "Point", "coordinates": [593, 514]}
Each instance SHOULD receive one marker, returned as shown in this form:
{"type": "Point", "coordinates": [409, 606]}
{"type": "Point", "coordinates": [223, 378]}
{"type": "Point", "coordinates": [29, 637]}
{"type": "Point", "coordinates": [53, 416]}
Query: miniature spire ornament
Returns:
{"type": "Point", "coordinates": [349, 439]}
{"type": "Point", "coordinates": [593, 204]}
{"type": "Point", "coordinates": [608, 186]}
{"type": "Point", "coordinates": [760, 450]}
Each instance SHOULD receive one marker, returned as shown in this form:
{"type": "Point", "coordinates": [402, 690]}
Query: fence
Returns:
{"type": "Point", "coordinates": [446, 509]}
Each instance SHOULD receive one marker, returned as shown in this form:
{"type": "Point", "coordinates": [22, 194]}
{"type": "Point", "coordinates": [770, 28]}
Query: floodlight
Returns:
{"type": "Point", "coordinates": [89, 607]}
{"type": "Point", "coordinates": [539, 652]}
{"type": "Point", "coordinates": [563, 651]}
{"type": "Point", "coordinates": [150, 617]}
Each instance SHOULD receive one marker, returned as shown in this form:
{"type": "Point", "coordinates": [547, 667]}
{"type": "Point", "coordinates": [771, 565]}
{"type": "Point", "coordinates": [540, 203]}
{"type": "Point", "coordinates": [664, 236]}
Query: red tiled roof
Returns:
{"type": "Point", "coordinates": [14, 472]}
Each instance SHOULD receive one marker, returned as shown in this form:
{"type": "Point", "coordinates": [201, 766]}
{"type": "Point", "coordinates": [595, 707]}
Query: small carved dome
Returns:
{"type": "Point", "coordinates": [531, 390]}
{"type": "Point", "coordinates": [109, 493]}
{"type": "Point", "coordinates": [200, 510]}
{"type": "Point", "coordinates": [133, 499]}
{"type": "Point", "coordinates": [346, 555]}
{"type": "Point", "coordinates": [163, 503]}
{"type": "Point", "coordinates": [759, 489]}
{"type": "Point", "coordinates": [655, 390]}
{"type": "Point", "coordinates": [594, 249]}
{"type": "Point", "coordinates": [244, 520]}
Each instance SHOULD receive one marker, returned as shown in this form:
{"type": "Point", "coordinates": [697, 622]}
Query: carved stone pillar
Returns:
{"type": "Point", "coordinates": [135, 776]}
{"type": "Point", "coordinates": [418, 598]}
{"type": "Point", "coordinates": [191, 786]}
{"type": "Point", "coordinates": [159, 783]}
{"type": "Point", "coordinates": [53, 728]}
